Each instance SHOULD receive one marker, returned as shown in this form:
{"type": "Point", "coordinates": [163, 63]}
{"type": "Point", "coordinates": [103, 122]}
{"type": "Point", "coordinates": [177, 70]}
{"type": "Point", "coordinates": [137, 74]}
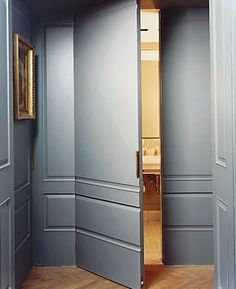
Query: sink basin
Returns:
{"type": "Point", "coordinates": [151, 159]}
{"type": "Point", "coordinates": [151, 164]}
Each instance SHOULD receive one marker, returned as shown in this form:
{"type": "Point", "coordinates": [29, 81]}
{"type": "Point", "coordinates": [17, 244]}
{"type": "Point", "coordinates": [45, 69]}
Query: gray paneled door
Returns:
{"type": "Point", "coordinates": [6, 169]}
{"type": "Point", "coordinates": [107, 136]}
{"type": "Point", "coordinates": [223, 116]}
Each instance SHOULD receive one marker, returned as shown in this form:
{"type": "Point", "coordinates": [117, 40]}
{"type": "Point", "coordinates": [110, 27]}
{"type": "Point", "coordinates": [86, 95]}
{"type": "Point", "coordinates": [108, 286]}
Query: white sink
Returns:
{"type": "Point", "coordinates": [151, 159]}
{"type": "Point", "coordinates": [151, 165]}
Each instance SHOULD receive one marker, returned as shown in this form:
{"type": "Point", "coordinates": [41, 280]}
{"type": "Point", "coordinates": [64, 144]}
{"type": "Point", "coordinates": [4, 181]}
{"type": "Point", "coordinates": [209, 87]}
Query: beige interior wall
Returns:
{"type": "Point", "coordinates": [150, 99]}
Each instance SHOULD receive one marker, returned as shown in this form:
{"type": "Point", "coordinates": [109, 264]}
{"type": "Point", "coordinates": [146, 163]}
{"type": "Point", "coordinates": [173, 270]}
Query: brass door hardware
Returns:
{"type": "Point", "coordinates": [137, 165]}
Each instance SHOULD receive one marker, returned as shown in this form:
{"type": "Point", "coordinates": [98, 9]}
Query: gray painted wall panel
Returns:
{"type": "Point", "coordinates": [59, 186]}
{"type": "Point", "coordinates": [123, 223]}
{"type": "Point", "coordinates": [185, 14]}
{"type": "Point", "coordinates": [54, 242]}
{"type": "Point", "coordinates": [104, 93]}
{"type": "Point", "coordinates": [222, 215]}
{"type": "Point", "coordinates": [188, 210]}
{"type": "Point", "coordinates": [187, 184]}
{"type": "Point", "coordinates": [57, 248]}
{"type": "Point", "coordinates": [22, 136]}
{"type": "Point", "coordinates": [22, 196]}
{"type": "Point", "coordinates": [22, 165]}
{"type": "Point", "coordinates": [103, 260]}
{"type": "Point", "coordinates": [108, 192]}
{"type": "Point", "coordinates": [186, 95]}
{"type": "Point", "coordinates": [59, 116]}
{"type": "Point", "coordinates": [21, 19]}
{"type": "Point", "coordinates": [4, 124]}
{"type": "Point", "coordinates": [189, 246]}
{"type": "Point", "coordinates": [7, 268]}
{"type": "Point", "coordinates": [59, 211]}
{"type": "Point", "coordinates": [5, 244]}
{"type": "Point", "coordinates": [23, 262]}
{"type": "Point", "coordinates": [187, 175]}
{"type": "Point", "coordinates": [22, 224]}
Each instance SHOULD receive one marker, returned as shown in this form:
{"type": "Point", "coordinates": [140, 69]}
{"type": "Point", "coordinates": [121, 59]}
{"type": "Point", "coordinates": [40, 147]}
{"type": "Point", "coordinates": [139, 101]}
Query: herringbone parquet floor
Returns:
{"type": "Point", "coordinates": [157, 277]}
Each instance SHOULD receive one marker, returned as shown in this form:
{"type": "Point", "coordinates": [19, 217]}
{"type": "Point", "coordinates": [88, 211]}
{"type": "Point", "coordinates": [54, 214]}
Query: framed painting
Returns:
{"type": "Point", "coordinates": [24, 78]}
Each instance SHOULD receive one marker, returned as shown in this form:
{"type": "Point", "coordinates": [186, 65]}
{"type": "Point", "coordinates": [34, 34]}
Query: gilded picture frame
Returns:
{"type": "Point", "coordinates": [24, 79]}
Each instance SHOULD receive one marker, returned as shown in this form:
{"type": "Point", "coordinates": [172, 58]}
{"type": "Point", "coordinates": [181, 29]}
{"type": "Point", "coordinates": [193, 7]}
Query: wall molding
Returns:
{"type": "Point", "coordinates": [28, 181]}
{"type": "Point", "coordinates": [223, 207]}
{"type": "Point", "coordinates": [7, 162]}
{"type": "Point", "coordinates": [108, 191]}
{"type": "Point", "coordinates": [58, 228]}
{"type": "Point", "coordinates": [189, 228]}
{"type": "Point", "coordinates": [203, 177]}
{"type": "Point", "coordinates": [28, 235]}
{"type": "Point", "coordinates": [105, 184]}
{"type": "Point", "coordinates": [218, 49]}
{"type": "Point", "coordinates": [6, 202]}
{"type": "Point", "coordinates": [58, 179]}
{"type": "Point", "coordinates": [109, 240]}
{"type": "Point", "coordinates": [187, 184]}
{"type": "Point", "coordinates": [22, 187]}
{"type": "Point", "coordinates": [46, 177]}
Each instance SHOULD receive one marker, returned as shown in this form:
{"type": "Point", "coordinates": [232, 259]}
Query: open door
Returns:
{"type": "Point", "coordinates": [108, 136]}
{"type": "Point", "coordinates": [221, 12]}
{"type": "Point", "coordinates": [6, 168]}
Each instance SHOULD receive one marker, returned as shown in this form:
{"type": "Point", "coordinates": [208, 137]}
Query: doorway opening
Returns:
{"type": "Point", "coordinates": [151, 136]}
{"type": "Point", "coordinates": [176, 137]}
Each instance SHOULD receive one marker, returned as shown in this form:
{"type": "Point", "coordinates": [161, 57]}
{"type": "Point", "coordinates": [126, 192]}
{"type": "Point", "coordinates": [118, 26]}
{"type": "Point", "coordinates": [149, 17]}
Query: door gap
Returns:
{"type": "Point", "coordinates": [151, 136]}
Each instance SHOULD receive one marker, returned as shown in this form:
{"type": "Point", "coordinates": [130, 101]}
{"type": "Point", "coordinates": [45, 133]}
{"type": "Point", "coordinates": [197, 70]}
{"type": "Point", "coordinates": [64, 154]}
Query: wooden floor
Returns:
{"type": "Point", "coordinates": [152, 243]}
{"type": "Point", "coordinates": [157, 277]}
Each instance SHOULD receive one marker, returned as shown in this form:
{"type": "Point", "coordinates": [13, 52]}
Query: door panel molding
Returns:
{"type": "Point", "coordinates": [221, 15]}
{"type": "Point", "coordinates": [102, 259]}
{"type": "Point", "coordinates": [222, 244]}
{"type": "Point", "coordinates": [91, 215]}
{"type": "Point", "coordinates": [107, 191]}
{"type": "Point", "coordinates": [109, 240]}
{"type": "Point", "coordinates": [220, 75]}
{"type": "Point", "coordinates": [107, 184]}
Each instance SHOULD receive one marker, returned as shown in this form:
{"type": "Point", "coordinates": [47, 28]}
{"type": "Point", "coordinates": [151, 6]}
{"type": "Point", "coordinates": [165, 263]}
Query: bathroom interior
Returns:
{"type": "Point", "coordinates": [151, 136]}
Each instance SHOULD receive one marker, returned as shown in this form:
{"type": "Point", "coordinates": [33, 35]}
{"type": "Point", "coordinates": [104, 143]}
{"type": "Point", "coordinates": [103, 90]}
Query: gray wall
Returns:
{"type": "Point", "coordinates": [7, 274]}
{"type": "Point", "coordinates": [187, 148]}
{"type": "Point", "coordinates": [187, 175]}
{"type": "Point", "coordinates": [53, 177]}
{"type": "Point", "coordinates": [22, 165]}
